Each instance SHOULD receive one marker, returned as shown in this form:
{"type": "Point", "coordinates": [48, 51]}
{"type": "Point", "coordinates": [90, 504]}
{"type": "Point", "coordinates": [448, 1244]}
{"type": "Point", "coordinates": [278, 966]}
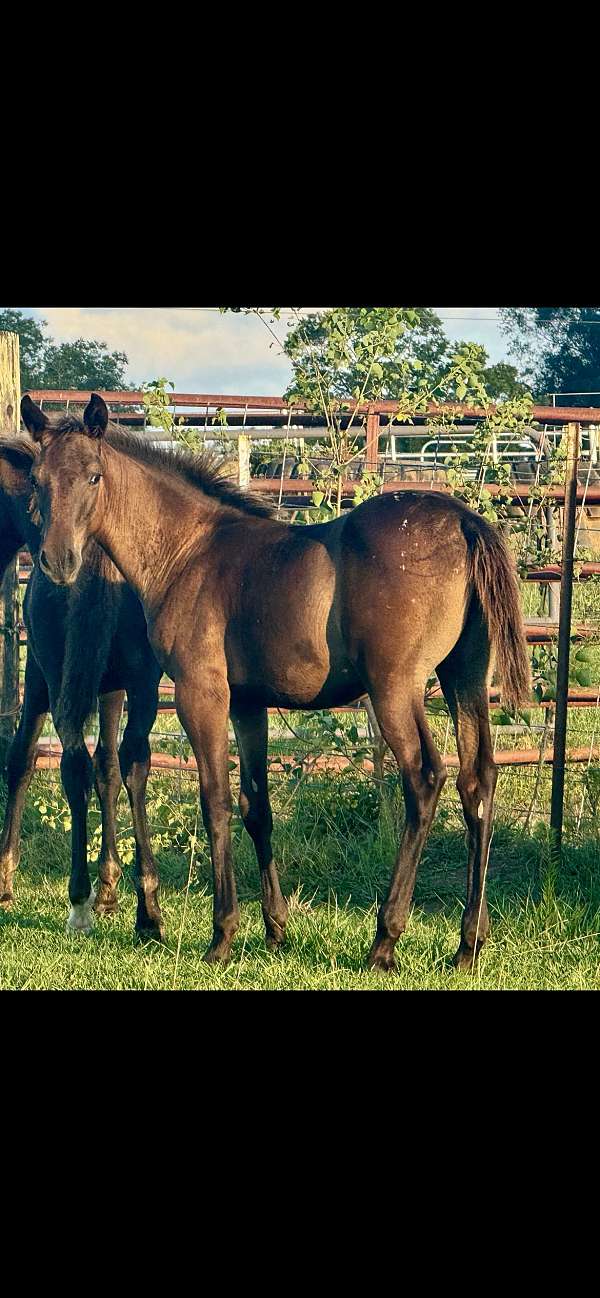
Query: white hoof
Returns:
{"type": "Point", "coordinates": [81, 918]}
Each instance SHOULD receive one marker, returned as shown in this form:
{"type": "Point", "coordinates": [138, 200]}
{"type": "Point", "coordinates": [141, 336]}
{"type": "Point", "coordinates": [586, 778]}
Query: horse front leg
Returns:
{"type": "Point", "coordinates": [77, 774]}
{"type": "Point", "coordinates": [134, 757]}
{"type": "Point", "coordinates": [107, 778]}
{"type": "Point", "coordinates": [203, 709]}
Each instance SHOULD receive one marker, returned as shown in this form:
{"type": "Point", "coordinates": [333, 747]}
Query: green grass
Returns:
{"type": "Point", "coordinates": [335, 860]}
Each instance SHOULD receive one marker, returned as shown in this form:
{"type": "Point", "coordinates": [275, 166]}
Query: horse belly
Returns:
{"type": "Point", "coordinates": [287, 650]}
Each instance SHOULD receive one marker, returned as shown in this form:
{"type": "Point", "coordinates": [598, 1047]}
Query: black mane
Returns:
{"type": "Point", "coordinates": [203, 470]}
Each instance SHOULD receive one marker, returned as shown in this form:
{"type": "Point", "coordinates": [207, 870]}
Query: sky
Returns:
{"type": "Point", "coordinates": [201, 350]}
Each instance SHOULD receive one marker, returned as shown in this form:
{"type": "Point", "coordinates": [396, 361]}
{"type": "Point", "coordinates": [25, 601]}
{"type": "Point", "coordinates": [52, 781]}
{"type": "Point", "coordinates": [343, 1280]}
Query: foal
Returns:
{"type": "Point", "coordinates": [82, 642]}
{"type": "Point", "coordinates": [244, 611]}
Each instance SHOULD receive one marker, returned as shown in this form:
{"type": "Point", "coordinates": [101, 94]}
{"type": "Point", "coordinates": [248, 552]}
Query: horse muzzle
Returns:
{"type": "Point", "coordinates": [61, 569]}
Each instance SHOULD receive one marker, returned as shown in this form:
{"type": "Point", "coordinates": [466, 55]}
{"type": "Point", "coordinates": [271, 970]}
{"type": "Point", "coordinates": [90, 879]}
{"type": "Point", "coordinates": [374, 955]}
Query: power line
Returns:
{"type": "Point", "coordinates": [483, 319]}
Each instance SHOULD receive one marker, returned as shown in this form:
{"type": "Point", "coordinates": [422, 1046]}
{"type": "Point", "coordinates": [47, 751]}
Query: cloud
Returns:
{"type": "Point", "coordinates": [201, 351]}
{"type": "Point", "coordinates": [204, 351]}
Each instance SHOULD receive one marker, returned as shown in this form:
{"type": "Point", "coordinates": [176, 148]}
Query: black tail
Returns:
{"type": "Point", "coordinates": [494, 582]}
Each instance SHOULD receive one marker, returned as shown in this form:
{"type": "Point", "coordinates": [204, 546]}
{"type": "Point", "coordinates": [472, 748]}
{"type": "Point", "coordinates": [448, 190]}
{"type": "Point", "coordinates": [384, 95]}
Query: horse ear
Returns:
{"type": "Point", "coordinates": [36, 422]}
{"type": "Point", "coordinates": [95, 416]}
{"type": "Point", "coordinates": [15, 466]}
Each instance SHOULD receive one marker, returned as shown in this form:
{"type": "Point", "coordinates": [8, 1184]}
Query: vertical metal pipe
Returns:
{"type": "Point", "coordinates": [564, 638]}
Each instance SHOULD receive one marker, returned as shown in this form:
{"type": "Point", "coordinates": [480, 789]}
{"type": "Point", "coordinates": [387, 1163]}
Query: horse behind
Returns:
{"type": "Point", "coordinates": [245, 611]}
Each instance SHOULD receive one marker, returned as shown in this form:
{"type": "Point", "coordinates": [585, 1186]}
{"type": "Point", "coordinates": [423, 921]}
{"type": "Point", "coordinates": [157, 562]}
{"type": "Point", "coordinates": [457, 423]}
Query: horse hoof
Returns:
{"type": "Point", "coordinates": [150, 933]}
{"type": "Point", "coordinates": [381, 955]}
{"type": "Point", "coordinates": [386, 963]}
{"type": "Point", "coordinates": [106, 907]}
{"type": "Point", "coordinates": [215, 956]}
{"type": "Point", "coordinates": [274, 942]}
{"type": "Point", "coordinates": [81, 919]}
{"type": "Point", "coordinates": [6, 901]}
{"type": "Point", "coordinates": [465, 959]}
{"type": "Point", "coordinates": [77, 925]}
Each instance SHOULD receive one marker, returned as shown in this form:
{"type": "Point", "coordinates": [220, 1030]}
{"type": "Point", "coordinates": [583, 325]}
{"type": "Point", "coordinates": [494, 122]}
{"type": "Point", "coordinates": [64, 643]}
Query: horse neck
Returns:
{"type": "Point", "coordinates": [16, 528]}
{"type": "Point", "coordinates": [151, 523]}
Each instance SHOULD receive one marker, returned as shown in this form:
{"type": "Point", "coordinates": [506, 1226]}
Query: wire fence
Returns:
{"type": "Point", "coordinates": [302, 749]}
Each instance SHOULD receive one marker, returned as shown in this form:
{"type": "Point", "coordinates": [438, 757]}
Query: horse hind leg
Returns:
{"type": "Point", "coordinates": [251, 732]}
{"type": "Point", "coordinates": [404, 727]}
{"type": "Point", "coordinates": [107, 778]}
{"type": "Point", "coordinates": [134, 761]}
{"type": "Point", "coordinates": [463, 677]}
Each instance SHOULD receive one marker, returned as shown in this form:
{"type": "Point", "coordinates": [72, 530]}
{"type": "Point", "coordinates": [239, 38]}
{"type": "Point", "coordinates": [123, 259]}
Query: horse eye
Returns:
{"type": "Point", "coordinates": [95, 478]}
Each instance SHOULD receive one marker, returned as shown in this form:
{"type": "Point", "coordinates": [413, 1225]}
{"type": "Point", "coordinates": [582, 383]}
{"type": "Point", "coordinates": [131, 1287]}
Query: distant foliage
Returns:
{"type": "Point", "coordinates": [557, 349]}
{"type": "Point", "coordinates": [83, 364]}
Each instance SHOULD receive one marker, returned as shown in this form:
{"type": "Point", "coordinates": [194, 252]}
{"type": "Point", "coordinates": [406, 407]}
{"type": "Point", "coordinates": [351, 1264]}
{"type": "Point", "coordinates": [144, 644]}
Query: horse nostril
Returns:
{"type": "Point", "coordinates": [43, 560]}
{"type": "Point", "coordinates": [69, 560]}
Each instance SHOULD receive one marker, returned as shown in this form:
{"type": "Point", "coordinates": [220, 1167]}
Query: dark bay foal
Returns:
{"type": "Point", "coordinates": [86, 642]}
{"type": "Point", "coordinates": [244, 611]}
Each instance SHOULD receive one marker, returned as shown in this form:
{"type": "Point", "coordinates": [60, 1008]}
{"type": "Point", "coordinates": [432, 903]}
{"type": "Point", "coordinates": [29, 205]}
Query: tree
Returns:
{"type": "Point", "coordinates": [405, 336]}
{"type": "Point", "coordinates": [86, 363]}
{"type": "Point", "coordinates": [346, 357]}
{"type": "Point", "coordinates": [32, 344]}
{"type": "Point", "coordinates": [83, 364]}
{"type": "Point", "coordinates": [558, 349]}
{"type": "Point", "coordinates": [502, 382]}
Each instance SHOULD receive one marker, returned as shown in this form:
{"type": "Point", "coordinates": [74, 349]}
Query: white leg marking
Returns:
{"type": "Point", "coordinates": [81, 918]}
{"type": "Point", "coordinates": [480, 810]}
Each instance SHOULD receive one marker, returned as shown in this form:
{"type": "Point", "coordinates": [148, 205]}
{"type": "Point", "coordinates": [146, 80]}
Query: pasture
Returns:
{"type": "Point", "coordinates": [335, 840]}
{"type": "Point", "coordinates": [335, 854]}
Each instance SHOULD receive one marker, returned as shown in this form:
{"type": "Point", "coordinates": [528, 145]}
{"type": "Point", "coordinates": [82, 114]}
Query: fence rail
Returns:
{"type": "Point", "coordinates": [379, 422]}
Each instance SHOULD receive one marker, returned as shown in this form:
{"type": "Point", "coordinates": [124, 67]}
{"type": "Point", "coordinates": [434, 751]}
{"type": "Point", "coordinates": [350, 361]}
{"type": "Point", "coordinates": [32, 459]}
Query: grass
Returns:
{"type": "Point", "coordinates": [335, 859]}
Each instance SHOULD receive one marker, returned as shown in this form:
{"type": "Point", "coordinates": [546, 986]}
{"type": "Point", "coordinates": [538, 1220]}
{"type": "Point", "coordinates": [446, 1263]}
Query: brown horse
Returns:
{"type": "Point", "coordinates": [244, 611]}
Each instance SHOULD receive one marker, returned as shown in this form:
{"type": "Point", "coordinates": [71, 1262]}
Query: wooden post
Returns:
{"type": "Point", "coordinates": [564, 638]}
{"type": "Point", "coordinates": [10, 400]}
{"type": "Point", "coordinates": [243, 460]}
{"type": "Point", "coordinates": [553, 586]}
{"type": "Point", "coordinates": [372, 447]}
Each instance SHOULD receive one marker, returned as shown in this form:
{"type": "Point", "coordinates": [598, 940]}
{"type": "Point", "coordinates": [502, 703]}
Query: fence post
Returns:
{"type": "Point", "coordinates": [243, 460]}
{"type": "Point", "coordinates": [10, 400]}
{"type": "Point", "coordinates": [372, 446]}
{"type": "Point", "coordinates": [553, 586]}
{"type": "Point", "coordinates": [564, 639]}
